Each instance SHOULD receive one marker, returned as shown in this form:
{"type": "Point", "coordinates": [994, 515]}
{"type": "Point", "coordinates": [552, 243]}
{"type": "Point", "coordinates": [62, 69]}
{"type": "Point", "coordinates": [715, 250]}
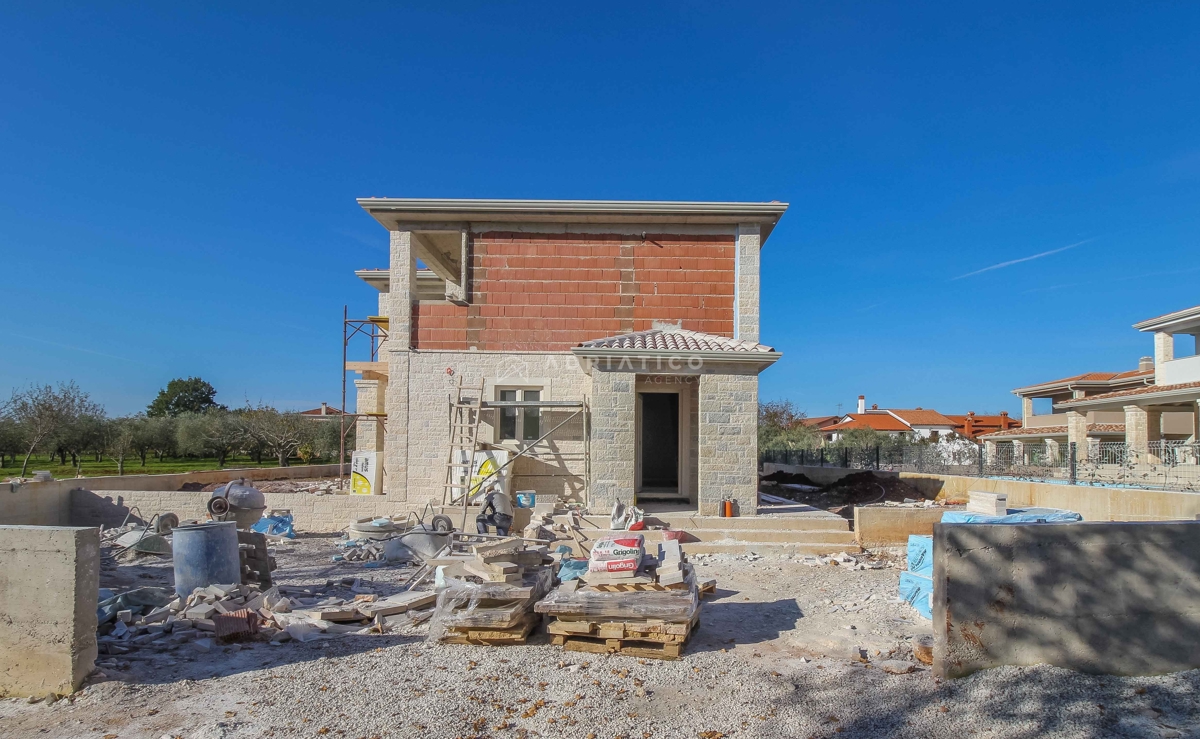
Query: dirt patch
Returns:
{"type": "Point", "coordinates": [789, 478]}
{"type": "Point", "coordinates": [859, 488]}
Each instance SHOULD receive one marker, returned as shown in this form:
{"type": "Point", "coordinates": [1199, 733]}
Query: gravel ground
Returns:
{"type": "Point", "coordinates": [770, 659]}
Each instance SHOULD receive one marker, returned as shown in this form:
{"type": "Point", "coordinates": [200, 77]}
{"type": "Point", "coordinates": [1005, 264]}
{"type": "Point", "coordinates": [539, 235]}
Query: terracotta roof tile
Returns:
{"type": "Point", "coordinates": [675, 340]}
{"type": "Point", "coordinates": [922, 417]}
{"type": "Point", "coordinates": [877, 421]}
{"type": "Point", "coordinates": [1147, 390]}
{"type": "Point", "coordinates": [1095, 377]}
{"type": "Point", "coordinates": [1093, 428]}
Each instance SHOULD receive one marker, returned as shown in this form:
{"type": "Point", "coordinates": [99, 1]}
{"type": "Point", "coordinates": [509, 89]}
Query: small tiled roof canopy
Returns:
{"type": "Point", "coordinates": [680, 340]}
{"type": "Point", "coordinates": [1093, 428]}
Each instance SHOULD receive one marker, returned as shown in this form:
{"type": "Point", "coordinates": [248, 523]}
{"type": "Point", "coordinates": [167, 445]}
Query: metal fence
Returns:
{"type": "Point", "coordinates": [1164, 465]}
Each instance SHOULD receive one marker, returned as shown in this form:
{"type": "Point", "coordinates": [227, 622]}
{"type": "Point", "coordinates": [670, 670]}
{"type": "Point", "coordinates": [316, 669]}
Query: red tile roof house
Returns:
{"type": "Point", "coordinates": [915, 423]}
{"type": "Point", "coordinates": [1155, 402]}
{"type": "Point", "coordinates": [648, 311]}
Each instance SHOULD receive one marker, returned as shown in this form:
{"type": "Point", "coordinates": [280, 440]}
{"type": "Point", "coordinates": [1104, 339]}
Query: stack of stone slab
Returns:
{"type": "Point", "coordinates": [651, 614]}
{"type": "Point", "coordinates": [497, 610]}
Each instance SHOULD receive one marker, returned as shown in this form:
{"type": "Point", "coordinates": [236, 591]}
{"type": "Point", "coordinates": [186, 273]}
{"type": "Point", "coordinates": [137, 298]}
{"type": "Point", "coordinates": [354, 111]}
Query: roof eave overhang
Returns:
{"type": "Point", "coordinates": [1169, 396]}
{"type": "Point", "coordinates": [665, 361]}
{"type": "Point", "coordinates": [1066, 386]}
{"type": "Point", "coordinates": [1180, 321]}
{"type": "Point", "coordinates": [390, 211]}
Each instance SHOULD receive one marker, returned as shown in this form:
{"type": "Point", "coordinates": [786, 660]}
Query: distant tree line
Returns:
{"type": "Point", "coordinates": [184, 421]}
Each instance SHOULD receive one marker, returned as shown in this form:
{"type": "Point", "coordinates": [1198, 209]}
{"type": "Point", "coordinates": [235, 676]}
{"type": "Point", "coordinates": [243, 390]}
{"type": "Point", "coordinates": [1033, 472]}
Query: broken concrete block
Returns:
{"type": "Point", "coordinates": [203, 645]}
{"type": "Point", "coordinates": [201, 611]}
{"type": "Point", "coordinates": [896, 666]}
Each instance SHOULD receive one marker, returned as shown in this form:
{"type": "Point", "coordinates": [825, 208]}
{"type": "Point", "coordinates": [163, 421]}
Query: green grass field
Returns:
{"type": "Point", "coordinates": [92, 468]}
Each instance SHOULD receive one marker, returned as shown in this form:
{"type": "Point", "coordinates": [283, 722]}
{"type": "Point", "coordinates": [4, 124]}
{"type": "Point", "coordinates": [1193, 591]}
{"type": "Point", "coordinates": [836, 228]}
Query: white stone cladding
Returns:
{"type": "Point", "coordinates": [728, 442]}
{"type": "Point", "coordinates": [614, 423]}
{"type": "Point", "coordinates": [555, 467]}
{"type": "Point", "coordinates": [749, 248]}
{"type": "Point", "coordinates": [368, 432]}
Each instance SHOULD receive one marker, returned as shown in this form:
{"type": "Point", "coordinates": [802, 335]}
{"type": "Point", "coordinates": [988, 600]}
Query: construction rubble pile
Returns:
{"type": "Point", "coordinates": [628, 601]}
{"type": "Point", "coordinates": [154, 618]}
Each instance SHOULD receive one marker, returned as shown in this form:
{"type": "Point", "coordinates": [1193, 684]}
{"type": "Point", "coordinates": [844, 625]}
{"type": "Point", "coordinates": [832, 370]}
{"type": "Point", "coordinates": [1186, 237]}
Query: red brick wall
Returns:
{"type": "Point", "coordinates": [549, 292]}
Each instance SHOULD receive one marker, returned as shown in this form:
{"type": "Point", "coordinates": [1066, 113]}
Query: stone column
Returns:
{"type": "Point", "coordinates": [989, 452]}
{"type": "Point", "coordinates": [1164, 348]}
{"type": "Point", "coordinates": [1053, 455]}
{"type": "Point", "coordinates": [728, 443]}
{"type": "Point", "coordinates": [1077, 433]}
{"type": "Point", "coordinates": [1142, 426]}
{"type": "Point", "coordinates": [1018, 457]}
{"type": "Point", "coordinates": [402, 288]}
{"type": "Point", "coordinates": [1196, 416]}
{"type": "Point", "coordinates": [614, 439]}
{"type": "Point", "coordinates": [1026, 409]}
{"type": "Point", "coordinates": [368, 432]}
{"type": "Point", "coordinates": [749, 243]}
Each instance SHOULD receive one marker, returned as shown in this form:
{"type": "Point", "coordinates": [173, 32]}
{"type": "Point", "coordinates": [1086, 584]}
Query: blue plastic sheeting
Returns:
{"type": "Point", "coordinates": [140, 601]}
{"type": "Point", "coordinates": [276, 526]}
{"type": "Point", "coordinates": [920, 555]}
{"type": "Point", "coordinates": [572, 569]}
{"type": "Point", "coordinates": [918, 591]}
{"type": "Point", "coordinates": [1018, 515]}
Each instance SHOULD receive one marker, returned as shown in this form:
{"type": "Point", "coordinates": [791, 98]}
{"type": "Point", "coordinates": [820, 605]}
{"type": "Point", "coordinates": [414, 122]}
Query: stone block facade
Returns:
{"type": "Point", "coordinates": [728, 438]}
{"type": "Point", "coordinates": [613, 439]}
{"type": "Point", "coordinates": [554, 467]}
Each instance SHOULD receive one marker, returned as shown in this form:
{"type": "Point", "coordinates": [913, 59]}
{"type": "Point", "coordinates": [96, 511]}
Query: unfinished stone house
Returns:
{"type": "Point", "coordinates": [617, 344]}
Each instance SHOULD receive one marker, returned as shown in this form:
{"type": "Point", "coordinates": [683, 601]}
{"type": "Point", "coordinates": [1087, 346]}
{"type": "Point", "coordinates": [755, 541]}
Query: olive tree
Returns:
{"type": "Point", "coordinates": [43, 411]}
{"type": "Point", "coordinates": [281, 433]}
{"type": "Point", "coordinates": [214, 433]}
{"type": "Point", "coordinates": [120, 440]}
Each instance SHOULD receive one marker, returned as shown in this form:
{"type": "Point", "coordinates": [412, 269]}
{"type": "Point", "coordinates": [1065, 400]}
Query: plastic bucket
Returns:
{"type": "Point", "coordinates": [205, 554]}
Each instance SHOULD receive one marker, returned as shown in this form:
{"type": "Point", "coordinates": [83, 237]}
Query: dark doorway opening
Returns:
{"type": "Point", "coordinates": [660, 441]}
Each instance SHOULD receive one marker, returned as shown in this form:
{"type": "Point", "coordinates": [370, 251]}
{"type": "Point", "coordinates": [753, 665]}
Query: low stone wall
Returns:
{"type": "Point", "coordinates": [885, 526]}
{"type": "Point", "coordinates": [49, 503]}
{"type": "Point", "coordinates": [1093, 503]}
{"type": "Point", "coordinates": [49, 577]}
{"type": "Point", "coordinates": [313, 513]}
{"type": "Point", "coordinates": [1108, 598]}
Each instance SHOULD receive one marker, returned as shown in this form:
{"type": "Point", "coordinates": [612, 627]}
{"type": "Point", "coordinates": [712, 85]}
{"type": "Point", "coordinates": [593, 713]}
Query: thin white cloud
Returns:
{"type": "Point", "coordinates": [74, 348]}
{"type": "Point", "coordinates": [1011, 262]}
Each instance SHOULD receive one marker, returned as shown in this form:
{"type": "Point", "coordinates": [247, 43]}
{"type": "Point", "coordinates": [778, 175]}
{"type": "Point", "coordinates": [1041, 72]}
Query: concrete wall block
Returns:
{"type": "Point", "coordinates": [49, 577]}
{"type": "Point", "coordinates": [1111, 598]}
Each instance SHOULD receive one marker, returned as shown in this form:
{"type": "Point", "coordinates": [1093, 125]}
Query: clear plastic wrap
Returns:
{"type": "Point", "coordinates": [463, 604]}
{"type": "Point", "coordinates": [676, 606]}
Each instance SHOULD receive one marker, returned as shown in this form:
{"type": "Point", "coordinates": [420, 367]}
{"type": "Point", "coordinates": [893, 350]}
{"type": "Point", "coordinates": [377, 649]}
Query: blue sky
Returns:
{"type": "Point", "coordinates": [177, 183]}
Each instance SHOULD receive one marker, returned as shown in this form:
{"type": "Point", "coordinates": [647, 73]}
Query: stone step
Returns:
{"type": "Point", "coordinates": [768, 549]}
{"type": "Point", "coordinates": [750, 536]}
{"type": "Point", "coordinates": [692, 522]}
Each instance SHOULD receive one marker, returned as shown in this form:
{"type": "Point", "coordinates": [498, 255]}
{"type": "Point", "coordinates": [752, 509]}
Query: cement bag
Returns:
{"type": "Point", "coordinates": [920, 555]}
{"type": "Point", "coordinates": [619, 546]}
{"type": "Point", "coordinates": [614, 565]}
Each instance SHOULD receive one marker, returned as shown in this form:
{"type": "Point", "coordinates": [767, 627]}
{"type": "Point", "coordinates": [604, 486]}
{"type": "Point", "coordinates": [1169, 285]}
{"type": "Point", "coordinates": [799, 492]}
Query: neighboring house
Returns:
{"type": "Point", "coordinates": [913, 423]}
{"type": "Point", "coordinates": [973, 426]}
{"type": "Point", "coordinates": [1156, 402]}
{"type": "Point", "coordinates": [325, 411]}
{"type": "Point", "coordinates": [818, 422]}
{"type": "Point", "coordinates": [643, 314]}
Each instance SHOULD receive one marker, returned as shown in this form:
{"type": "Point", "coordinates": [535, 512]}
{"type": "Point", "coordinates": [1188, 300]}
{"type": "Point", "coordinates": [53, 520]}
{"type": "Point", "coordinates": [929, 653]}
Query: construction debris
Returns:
{"type": "Point", "coordinates": [497, 610]}
{"type": "Point", "coordinates": [649, 611]}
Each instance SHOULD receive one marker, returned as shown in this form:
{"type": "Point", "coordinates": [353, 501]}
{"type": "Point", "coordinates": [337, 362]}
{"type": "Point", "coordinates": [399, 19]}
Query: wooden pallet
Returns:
{"type": "Point", "coordinates": [636, 587]}
{"type": "Point", "coordinates": [627, 647]}
{"type": "Point", "coordinates": [518, 634]}
{"type": "Point", "coordinates": [649, 638]}
{"type": "Point", "coordinates": [708, 587]}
